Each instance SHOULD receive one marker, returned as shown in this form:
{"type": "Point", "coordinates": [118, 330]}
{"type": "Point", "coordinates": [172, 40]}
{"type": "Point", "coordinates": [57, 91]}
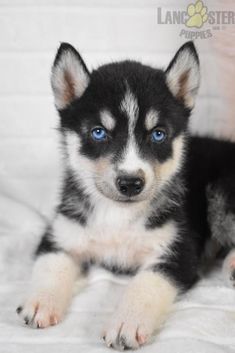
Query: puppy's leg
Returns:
{"type": "Point", "coordinates": [50, 291]}
{"type": "Point", "coordinates": [229, 268]}
{"type": "Point", "coordinates": [146, 302]}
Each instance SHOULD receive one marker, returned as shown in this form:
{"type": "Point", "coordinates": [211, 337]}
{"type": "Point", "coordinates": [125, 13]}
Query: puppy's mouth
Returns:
{"type": "Point", "coordinates": [128, 201]}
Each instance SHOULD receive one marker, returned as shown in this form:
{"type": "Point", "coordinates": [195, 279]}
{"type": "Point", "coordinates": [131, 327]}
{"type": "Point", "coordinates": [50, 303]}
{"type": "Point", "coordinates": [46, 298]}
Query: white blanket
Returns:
{"type": "Point", "coordinates": [203, 320]}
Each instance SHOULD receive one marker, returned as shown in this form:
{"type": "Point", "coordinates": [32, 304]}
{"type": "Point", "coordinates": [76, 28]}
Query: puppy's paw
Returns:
{"type": "Point", "coordinates": [232, 277]}
{"type": "Point", "coordinates": [41, 311]}
{"type": "Point", "coordinates": [128, 331]}
{"type": "Point", "coordinates": [141, 311]}
{"type": "Point", "coordinates": [229, 268]}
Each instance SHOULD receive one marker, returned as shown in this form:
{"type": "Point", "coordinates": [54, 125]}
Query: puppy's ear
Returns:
{"type": "Point", "coordinates": [70, 76]}
{"type": "Point", "coordinates": [183, 74]}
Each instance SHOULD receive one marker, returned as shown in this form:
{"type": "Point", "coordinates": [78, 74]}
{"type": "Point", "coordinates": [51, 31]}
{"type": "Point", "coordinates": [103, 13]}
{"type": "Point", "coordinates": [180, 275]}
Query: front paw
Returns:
{"type": "Point", "coordinates": [41, 310]}
{"type": "Point", "coordinates": [229, 268]}
{"type": "Point", "coordinates": [141, 311]}
{"type": "Point", "coordinates": [128, 331]}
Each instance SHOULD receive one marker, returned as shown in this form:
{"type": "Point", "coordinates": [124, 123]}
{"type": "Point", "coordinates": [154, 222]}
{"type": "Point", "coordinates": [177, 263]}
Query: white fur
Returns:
{"type": "Point", "coordinates": [185, 62]}
{"type": "Point", "coordinates": [51, 289]}
{"type": "Point", "coordinates": [69, 63]}
{"type": "Point", "coordinates": [146, 302]}
{"type": "Point", "coordinates": [151, 119]}
{"type": "Point", "coordinates": [129, 106]}
{"type": "Point", "coordinates": [132, 162]}
{"type": "Point", "coordinates": [107, 120]}
{"type": "Point", "coordinates": [168, 169]}
{"type": "Point", "coordinates": [115, 235]}
{"type": "Point", "coordinates": [82, 167]}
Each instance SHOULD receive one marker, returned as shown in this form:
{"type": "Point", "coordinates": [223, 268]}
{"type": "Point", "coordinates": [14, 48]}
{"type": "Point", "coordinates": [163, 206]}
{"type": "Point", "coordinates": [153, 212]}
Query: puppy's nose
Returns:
{"type": "Point", "coordinates": [130, 185]}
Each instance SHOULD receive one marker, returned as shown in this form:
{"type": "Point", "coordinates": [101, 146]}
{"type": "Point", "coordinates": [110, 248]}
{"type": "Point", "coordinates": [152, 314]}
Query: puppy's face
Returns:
{"type": "Point", "coordinates": [124, 124]}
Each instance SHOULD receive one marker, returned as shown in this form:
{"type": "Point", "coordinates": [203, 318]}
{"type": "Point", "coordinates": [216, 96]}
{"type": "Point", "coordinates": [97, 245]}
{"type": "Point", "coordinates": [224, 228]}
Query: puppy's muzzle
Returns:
{"type": "Point", "coordinates": [130, 185]}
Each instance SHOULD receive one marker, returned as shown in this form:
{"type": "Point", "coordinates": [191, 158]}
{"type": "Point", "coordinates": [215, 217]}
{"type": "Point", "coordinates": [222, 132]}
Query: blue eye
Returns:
{"type": "Point", "coordinates": [158, 136]}
{"type": "Point", "coordinates": [98, 134]}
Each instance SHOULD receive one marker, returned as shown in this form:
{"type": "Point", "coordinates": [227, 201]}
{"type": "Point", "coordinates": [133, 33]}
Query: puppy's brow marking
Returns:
{"type": "Point", "coordinates": [151, 119]}
{"type": "Point", "coordinates": [129, 106]}
{"type": "Point", "coordinates": [107, 120]}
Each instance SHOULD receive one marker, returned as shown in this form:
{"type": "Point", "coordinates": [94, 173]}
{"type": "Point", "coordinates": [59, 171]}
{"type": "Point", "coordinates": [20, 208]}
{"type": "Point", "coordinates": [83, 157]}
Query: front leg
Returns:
{"type": "Point", "coordinates": [51, 290]}
{"type": "Point", "coordinates": [147, 300]}
{"type": "Point", "coordinates": [151, 293]}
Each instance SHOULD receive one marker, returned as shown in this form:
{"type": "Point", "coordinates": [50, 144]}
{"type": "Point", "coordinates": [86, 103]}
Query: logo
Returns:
{"type": "Point", "coordinates": [198, 22]}
{"type": "Point", "coordinates": [197, 15]}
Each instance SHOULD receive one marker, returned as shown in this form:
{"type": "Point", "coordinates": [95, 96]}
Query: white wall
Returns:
{"type": "Point", "coordinates": [102, 30]}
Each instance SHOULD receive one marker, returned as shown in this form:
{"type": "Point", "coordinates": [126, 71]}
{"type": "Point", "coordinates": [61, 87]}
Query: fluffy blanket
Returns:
{"type": "Point", "coordinates": [203, 320]}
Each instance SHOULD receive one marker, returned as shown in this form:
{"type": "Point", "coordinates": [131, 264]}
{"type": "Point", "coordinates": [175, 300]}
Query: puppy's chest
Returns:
{"type": "Point", "coordinates": [121, 239]}
{"type": "Point", "coordinates": [124, 246]}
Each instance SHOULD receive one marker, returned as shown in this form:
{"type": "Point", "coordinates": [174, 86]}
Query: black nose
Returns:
{"type": "Point", "coordinates": [130, 186]}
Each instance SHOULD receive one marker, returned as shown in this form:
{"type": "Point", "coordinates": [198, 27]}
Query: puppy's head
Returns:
{"type": "Point", "coordinates": [124, 124]}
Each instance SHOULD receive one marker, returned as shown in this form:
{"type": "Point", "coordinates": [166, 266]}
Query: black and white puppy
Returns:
{"type": "Point", "coordinates": [139, 197]}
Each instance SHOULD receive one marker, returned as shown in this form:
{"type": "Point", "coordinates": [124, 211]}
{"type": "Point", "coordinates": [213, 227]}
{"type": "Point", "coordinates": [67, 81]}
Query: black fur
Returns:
{"type": "Point", "coordinates": [117, 270]}
{"type": "Point", "coordinates": [209, 162]}
{"type": "Point", "coordinates": [75, 203]}
{"type": "Point", "coordinates": [47, 244]}
{"type": "Point", "coordinates": [168, 204]}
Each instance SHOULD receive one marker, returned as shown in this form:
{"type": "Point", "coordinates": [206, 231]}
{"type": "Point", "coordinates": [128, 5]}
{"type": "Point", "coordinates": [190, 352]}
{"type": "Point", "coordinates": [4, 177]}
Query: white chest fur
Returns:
{"type": "Point", "coordinates": [115, 235]}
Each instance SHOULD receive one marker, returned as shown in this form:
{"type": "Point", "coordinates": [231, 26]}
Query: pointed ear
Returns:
{"type": "Point", "coordinates": [70, 76]}
{"type": "Point", "coordinates": [183, 75]}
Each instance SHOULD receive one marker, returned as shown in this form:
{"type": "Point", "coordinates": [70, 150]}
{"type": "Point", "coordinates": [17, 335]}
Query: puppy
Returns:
{"type": "Point", "coordinates": [140, 196]}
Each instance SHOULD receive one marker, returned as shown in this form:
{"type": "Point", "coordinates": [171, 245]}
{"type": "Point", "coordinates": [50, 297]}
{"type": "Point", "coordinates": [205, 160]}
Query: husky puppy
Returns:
{"type": "Point", "coordinates": [140, 196]}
